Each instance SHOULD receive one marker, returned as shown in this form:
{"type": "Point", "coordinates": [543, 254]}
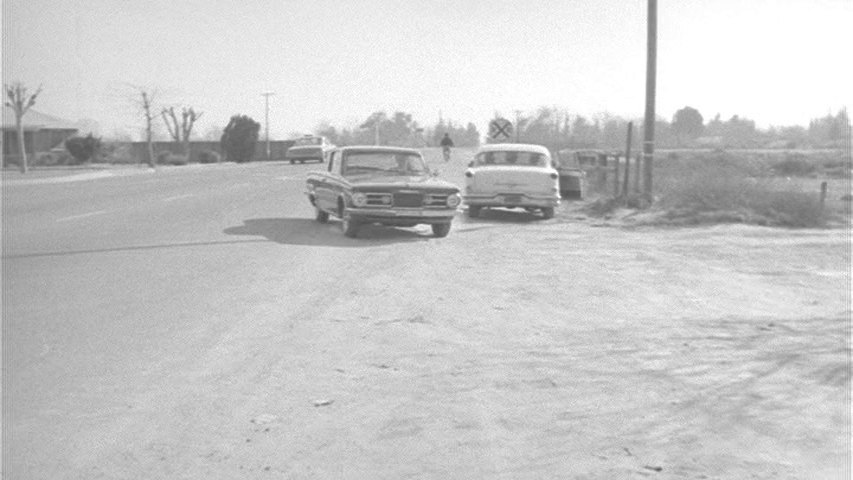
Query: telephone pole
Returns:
{"type": "Point", "coordinates": [649, 121]}
{"type": "Point", "coordinates": [266, 96]}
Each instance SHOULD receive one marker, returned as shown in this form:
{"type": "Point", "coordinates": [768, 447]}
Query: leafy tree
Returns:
{"type": "Point", "coordinates": [829, 130]}
{"type": "Point", "coordinates": [240, 138]}
{"type": "Point", "coordinates": [20, 102]}
{"type": "Point", "coordinates": [687, 123]}
{"type": "Point", "coordinates": [83, 149]}
{"type": "Point", "coordinates": [739, 132]}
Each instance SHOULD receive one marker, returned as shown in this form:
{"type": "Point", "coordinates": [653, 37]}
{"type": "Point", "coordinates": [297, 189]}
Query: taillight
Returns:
{"type": "Point", "coordinates": [554, 176]}
{"type": "Point", "coordinates": [469, 174]}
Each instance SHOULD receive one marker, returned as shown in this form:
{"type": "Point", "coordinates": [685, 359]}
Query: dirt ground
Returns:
{"type": "Point", "coordinates": [600, 353]}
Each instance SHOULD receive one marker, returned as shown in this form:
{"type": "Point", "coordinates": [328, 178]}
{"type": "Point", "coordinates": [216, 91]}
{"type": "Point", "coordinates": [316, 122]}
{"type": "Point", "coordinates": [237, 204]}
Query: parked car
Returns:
{"type": "Point", "coordinates": [307, 148]}
{"type": "Point", "coordinates": [572, 175]}
{"type": "Point", "coordinates": [512, 176]}
{"type": "Point", "coordinates": [381, 185]}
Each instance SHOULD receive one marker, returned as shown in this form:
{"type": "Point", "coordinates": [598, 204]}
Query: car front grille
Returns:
{"type": "Point", "coordinates": [408, 200]}
{"type": "Point", "coordinates": [435, 200]}
{"type": "Point", "coordinates": [378, 199]}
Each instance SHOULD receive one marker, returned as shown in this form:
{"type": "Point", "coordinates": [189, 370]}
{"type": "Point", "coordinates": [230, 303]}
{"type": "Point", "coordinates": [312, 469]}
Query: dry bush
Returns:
{"type": "Point", "coordinates": [118, 153]}
{"type": "Point", "coordinates": [720, 189]}
{"type": "Point", "coordinates": [794, 165]}
{"type": "Point", "coordinates": [169, 158]}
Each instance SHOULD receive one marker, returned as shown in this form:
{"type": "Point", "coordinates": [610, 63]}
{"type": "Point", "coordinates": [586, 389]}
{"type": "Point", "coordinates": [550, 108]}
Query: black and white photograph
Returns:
{"type": "Point", "coordinates": [426, 239]}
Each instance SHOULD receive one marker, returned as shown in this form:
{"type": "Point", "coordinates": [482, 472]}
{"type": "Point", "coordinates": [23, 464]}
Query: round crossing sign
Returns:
{"type": "Point", "coordinates": [500, 129]}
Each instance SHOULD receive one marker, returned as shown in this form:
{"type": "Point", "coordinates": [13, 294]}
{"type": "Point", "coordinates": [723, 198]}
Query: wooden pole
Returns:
{"type": "Point", "coordinates": [616, 174]}
{"type": "Point", "coordinates": [637, 172]}
{"type": "Point", "coordinates": [822, 195]}
{"type": "Point", "coordinates": [649, 121]}
{"type": "Point", "coordinates": [628, 159]}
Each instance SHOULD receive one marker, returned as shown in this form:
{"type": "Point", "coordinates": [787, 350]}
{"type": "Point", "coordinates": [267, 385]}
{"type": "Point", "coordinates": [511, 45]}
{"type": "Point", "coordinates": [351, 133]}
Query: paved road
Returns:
{"type": "Point", "coordinates": [197, 323]}
{"type": "Point", "coordinates": [115, 287]}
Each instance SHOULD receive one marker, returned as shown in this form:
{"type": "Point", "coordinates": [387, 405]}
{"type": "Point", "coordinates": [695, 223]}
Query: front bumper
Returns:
{"type": "Point", "coordinates": [519, 200]}
{"type": "Point", "coordinates": [401, 215]}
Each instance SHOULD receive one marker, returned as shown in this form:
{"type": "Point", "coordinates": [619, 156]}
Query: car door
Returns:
{"type": "Point", "coordinates": [323, 189]}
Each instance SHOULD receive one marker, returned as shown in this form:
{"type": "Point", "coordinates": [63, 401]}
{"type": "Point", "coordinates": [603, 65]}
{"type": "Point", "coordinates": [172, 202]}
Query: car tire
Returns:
{"type": "Point", "coordinates": [440, 230]}
{"type": "Point", "coordinates": [349, 226]}
{"type": "Point", "coordinates": [473, 211]}
{"type": "Point", "coordinates": [322, 216]}
{"type": "Point", "coordinates": [292, 162]}
{"type": "Point", "coordinates": [548, 212]}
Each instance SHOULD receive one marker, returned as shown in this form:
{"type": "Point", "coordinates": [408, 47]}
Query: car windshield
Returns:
{"type": "Point", "coordinates": [510, 158]}
{"type": "Point", "coordinates": [308, 141]}
{"type": "Point", "coordinates": [390, 163]}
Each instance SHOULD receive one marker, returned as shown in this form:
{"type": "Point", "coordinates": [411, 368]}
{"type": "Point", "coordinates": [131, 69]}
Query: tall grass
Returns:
{"type": "Point", "coordinates": [722, 188]}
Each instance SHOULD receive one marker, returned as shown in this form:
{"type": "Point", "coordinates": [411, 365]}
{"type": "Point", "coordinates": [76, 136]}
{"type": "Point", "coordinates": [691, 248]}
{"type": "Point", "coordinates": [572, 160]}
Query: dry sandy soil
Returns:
{"type": "Point", "coordinates": [515, 348]}
{"type": "Point", "coordinates": [562, 350]}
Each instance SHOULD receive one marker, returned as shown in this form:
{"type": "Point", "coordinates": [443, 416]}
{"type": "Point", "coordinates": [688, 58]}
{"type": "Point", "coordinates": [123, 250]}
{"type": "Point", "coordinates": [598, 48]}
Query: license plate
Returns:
{"type": "Point", "coordinates": [408, 213]}
{"type": "Point", "coordinates": [511, 198]}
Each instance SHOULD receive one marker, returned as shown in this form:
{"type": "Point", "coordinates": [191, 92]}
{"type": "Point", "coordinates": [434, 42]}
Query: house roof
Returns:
{"type": "Point", "coordinates": [35, 120]}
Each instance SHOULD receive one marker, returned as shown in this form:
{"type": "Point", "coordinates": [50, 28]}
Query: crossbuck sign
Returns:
{"type": "Point", "coordinates": [500, 129]}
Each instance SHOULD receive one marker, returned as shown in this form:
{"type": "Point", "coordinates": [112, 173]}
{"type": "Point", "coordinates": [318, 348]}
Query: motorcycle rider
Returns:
{"type": "Point", "coordinates": [446, 145]}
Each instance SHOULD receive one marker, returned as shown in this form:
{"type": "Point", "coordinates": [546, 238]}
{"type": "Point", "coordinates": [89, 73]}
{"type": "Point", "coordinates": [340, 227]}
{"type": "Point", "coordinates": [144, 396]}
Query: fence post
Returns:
{"type": "Point", "coordinates": [628, 158]}
{"type": "Point", "coordinates": [637, 173]}
{"type": "Point", "coordinates": [822, 195]}
{"type": "Point", "coordinates": [616, 175]}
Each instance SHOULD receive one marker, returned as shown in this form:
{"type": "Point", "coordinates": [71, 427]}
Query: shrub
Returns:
{"type": "Point", "coordinates": [795, 165]}
{"type": "Point", "coordinates": [83, 149]}
{"type": "Point", "coordinates": [240, 138]}
{"type": "Point", "coordinates": [57, 156]}
{"type": "Point", "coordinates": [209, 156]}
{"type": "Point", "coordinates": [169, 158]}
{"type": "Point", "coordinates": [119, 153]}
{"type": "Point", "coordinates": [700, 191]}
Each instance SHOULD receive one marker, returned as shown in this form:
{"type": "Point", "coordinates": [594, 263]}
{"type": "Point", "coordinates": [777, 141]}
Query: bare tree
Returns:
{"type": "Point", "coordinates": [180, 131]}
{"type": "Point", "coordinates": [145, 106]}
{"type": "Point", "coordinates": [20, 102]}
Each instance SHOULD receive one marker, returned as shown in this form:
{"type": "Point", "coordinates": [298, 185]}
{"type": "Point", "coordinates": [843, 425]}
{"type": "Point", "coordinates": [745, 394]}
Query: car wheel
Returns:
{"type": "Point", "coordinates": [322, 216]}
{"type": "Point", "coordinates": [440, 230]}
{"type": "Point", "coordinates": [548, 212]}
{"type": "Point", "coordinates": [292, 162]}
{"type": "Point", "coordinates": [349, 226]}
{"type": "Point", "coordinates": [473, 211]}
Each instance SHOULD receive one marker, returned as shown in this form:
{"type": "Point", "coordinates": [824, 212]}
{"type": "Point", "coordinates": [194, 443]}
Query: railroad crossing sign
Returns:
{"type": "Point", "coordinates": [500, 129]}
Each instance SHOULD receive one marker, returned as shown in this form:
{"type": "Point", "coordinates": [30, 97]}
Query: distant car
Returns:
{"type": "Point", "coordinates": [512, 176]}
{"type": "Point", "coordinates": [308, 148]}
{"type": "Point", "coordinates": [572, 175]}
{"type": "Point", "coordinates": [381, 185]}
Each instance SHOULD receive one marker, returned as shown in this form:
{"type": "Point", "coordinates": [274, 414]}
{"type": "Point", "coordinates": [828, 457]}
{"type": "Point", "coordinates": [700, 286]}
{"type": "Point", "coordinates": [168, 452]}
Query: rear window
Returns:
{"type": "Point", "coordinates": [527, 159]}
{"type": "Point", "coordinates": [302, 142]}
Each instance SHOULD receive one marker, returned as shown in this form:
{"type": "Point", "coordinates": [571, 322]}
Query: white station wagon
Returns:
{"type": "Point", "coordinates": [510, 175]}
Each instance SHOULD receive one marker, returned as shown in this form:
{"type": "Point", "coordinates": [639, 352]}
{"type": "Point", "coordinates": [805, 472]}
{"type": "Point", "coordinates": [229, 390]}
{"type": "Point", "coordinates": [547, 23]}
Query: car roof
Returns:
{"type": "Point", "coordinates": [514, 147]}
{"type": "Point", "coordinates": [378, 148]}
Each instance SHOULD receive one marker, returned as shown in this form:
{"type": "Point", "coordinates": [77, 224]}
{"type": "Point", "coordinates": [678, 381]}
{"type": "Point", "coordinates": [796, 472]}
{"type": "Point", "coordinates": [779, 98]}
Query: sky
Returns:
{"type": "Point", "coordinates": [778, 62]}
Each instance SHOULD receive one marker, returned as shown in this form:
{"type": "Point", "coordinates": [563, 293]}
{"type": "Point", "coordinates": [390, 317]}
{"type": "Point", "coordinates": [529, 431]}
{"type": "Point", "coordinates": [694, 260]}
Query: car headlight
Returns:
{"type": "Point", "coordinates": [454, 200]}
{"type": "Point", "coordinates": [359, 199]}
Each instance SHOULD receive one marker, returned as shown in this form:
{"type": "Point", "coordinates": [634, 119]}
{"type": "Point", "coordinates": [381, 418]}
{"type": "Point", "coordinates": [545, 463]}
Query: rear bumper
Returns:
{"type": "Point", "coordinates": [500, 201]}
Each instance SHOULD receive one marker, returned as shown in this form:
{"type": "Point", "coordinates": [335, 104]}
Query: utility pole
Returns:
{"type": "Point", "coordinates": [266, 96]}
{"type": "Point", "coordinates": [649, 122]}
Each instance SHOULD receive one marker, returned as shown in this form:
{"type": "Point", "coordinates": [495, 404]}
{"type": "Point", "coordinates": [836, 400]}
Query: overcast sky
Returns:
{"type": "Point", "coordinates": [778, 62]}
